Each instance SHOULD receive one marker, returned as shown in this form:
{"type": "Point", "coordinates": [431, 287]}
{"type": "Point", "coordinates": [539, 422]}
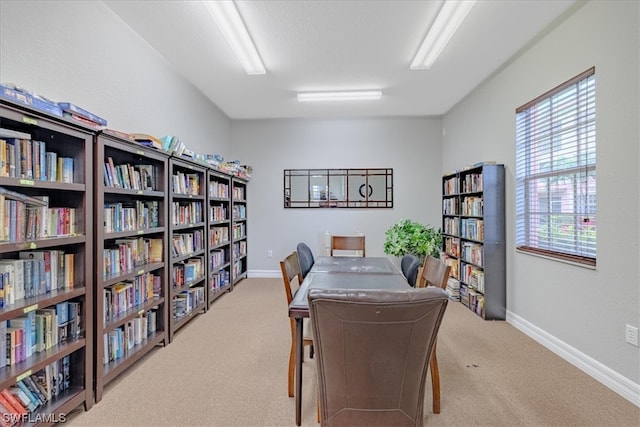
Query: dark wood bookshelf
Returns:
{"type": "Point", "coordinates": [187, 186]}
{"type": "Point", "coordinates": [219, 239]}
{"type": "Point", "coordinates": [57, 138]}
{"type": "Point", "coordinates": [239, 229]}
{"type": "Point", "coordinates": [473, 224]}
{"type": "Point", "coordinates": [131, 211]}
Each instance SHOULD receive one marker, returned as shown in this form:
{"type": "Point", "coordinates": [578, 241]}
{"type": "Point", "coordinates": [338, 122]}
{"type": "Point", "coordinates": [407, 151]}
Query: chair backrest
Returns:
{"type": "Point", "coordinates": [373, 349]}
{"type": "Point", "coordinates": [290, 268]}
{"type": "Point", "coordinates": [406, 263]}
{"type": "Point", "coordinates": [305, 256]}
{"type": "Point", "coordinates": [435, 273]}
{"type": "Point", "coordinates": [412, 273]}
{"type": "Point", "coordinates": [348, 243]}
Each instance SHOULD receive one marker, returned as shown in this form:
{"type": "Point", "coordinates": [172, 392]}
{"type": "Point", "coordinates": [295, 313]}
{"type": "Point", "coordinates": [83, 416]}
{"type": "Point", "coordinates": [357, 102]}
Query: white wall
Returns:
{"type": "Point", "coordinates": [81, 52]}
{"type": "Point", "coordinates": [411, 146]}
{"type": "Point", "coordinates": [582, 312]}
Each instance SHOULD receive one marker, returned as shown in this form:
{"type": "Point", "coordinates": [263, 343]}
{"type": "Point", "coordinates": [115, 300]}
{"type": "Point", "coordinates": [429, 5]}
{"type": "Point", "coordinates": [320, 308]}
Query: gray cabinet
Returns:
{"type": "Point", "coordinates": [473, 227]}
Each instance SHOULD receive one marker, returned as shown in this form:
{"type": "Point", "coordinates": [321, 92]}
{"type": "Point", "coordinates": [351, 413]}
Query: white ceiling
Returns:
{"type": "Point", "coordinates": [311, 45]}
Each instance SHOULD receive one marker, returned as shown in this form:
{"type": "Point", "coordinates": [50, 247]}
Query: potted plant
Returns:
{"type": "Point", "coordinates": [411, 237]}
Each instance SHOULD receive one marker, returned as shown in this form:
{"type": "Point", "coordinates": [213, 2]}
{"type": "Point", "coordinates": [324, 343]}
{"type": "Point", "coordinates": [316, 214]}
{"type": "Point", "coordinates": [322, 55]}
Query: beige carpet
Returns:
{"type": "Point", "coordinates": [228, 367]}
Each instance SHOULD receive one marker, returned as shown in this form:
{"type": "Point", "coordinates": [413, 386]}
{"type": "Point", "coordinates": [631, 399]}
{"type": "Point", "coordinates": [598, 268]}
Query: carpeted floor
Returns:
{"type": "Point", "coordinates": [228, 367]}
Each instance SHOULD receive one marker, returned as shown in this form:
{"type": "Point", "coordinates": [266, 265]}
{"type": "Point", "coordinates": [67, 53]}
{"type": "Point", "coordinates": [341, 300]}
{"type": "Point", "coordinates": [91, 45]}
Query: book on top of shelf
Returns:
{"type": "Point", "coordinates": [9, 133]}
{"type": "Point", "coordinates": [29, 200]}
{"type": "Point", "coordinates": [119, 134]}
{"type": "Point", "coordinates": [23, 96]}
{"type": "Point", "coordinates": [146, 140]}
{"type": "Point", "coordinates": [81, 112]}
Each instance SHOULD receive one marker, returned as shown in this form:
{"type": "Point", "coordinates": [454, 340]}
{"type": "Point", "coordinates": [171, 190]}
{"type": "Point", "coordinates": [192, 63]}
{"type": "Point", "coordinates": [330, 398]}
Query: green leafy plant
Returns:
{"type": "Point", "coordinates": [411, 237]}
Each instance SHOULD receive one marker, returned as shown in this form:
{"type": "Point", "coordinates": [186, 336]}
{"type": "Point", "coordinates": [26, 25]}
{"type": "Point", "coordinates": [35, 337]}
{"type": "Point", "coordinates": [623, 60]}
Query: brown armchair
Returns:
{"type": "Point", "coordinates": [372, 350]}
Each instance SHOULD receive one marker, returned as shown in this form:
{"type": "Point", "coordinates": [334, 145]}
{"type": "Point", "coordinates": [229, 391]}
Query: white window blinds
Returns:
{"type": "Point", "coordinates": [556, 172]}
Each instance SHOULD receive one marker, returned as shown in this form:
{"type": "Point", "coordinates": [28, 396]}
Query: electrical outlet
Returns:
{"type": "Point", "coordinates": [631, 335]}
{"type": "Point", "coordinates": [269, 253]}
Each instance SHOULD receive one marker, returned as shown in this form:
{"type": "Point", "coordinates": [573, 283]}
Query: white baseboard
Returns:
{"type": "Point", "coordinates": [264, 274]}
{"type": "Point", "coordinates": [610, 378]}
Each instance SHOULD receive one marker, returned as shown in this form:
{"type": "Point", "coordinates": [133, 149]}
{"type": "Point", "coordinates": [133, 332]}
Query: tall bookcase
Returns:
{"type": "Point", "coordinates": [219, 226]}
{"type": "Point", "coordinates": [46, 261]}
{"type": "Point", "coordinates": [473, 224]}
{"type": "Point", "coordinates": [130, 255]}
{"type": "Point", "coordinates": [239, 229]}
{"type": "Point", "coordinates": [188, 242]}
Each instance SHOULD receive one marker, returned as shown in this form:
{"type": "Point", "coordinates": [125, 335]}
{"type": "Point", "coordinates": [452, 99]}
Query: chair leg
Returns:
{"type": "Point", "coordinates": [311, 351]}
{"type": "Point", "coordinates": [291, 366]}
{"type": "Point", "coordinates": [435, 381]}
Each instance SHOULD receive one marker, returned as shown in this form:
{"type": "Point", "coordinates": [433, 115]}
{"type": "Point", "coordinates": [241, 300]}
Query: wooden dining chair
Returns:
{"type": "Point", "coordinates": [348, 243]}
{"type": "Point", "coordinates": [290, 268]}
{"type": "Point", "coordinates": [434, 273]}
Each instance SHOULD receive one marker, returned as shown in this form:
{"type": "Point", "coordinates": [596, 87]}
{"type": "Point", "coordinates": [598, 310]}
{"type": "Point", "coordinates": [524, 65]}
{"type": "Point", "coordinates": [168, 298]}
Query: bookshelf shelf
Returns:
{"type": "Point", "coordinates": [131, 255]}
{"type": "Point", "coordinates": [46, 260]}
{"type": "Point", "coordinates": [473, 224]}
{"type": "Point", "coordinates": [219, 240]}
{"type": "Point", "coordinates": [238, 229]}
{"type": "Point", "coordinates": [187, 214]}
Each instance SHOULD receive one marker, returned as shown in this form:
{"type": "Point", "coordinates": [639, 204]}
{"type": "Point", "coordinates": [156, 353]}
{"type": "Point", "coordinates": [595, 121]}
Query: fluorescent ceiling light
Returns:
{"type": "Point", "coordinates": [356, 95]}
{"type": "Point", "coordinates": [451, 15]}
{"type": "Point", "coordinates": [230, 23]}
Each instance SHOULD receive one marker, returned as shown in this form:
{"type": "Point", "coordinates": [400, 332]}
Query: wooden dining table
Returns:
{"type": "Point", "coordinates": [338, 273]}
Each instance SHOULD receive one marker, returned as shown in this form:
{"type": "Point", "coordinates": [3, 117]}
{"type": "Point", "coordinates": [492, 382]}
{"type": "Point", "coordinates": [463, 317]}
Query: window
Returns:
{"type": "Point", "coordinates": [556, 172]}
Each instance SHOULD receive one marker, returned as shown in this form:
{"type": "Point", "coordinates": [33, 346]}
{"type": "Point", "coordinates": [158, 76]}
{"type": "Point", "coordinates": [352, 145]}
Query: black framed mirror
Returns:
{"type": "Point", "coordinates": [338, 188]}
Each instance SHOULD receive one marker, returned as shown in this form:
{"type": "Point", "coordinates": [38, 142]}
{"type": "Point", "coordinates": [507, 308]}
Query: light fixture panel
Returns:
{"type": "Point", "coordinates": [451, 15]}
{"type": "Point", "coordinates": [359, 95]}
{"type": "Point", "coordinates": [226, 16]}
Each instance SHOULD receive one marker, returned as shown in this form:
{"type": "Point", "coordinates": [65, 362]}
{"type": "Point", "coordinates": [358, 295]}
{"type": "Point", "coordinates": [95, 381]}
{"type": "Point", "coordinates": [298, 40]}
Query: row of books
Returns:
{"type": "Point", "coordinates": [187, 243]}
{"type": "Point", "coordinates": [472, 228]}
{"type": "Point", "coordinates": [239, 249]}
{"type": "Point", "coordinates": [185, 273]}
{"type": "Point", "coordinates": [472, 299]}
{"type": "Point", "coordinates": [186, 183]}
{"type": "Point", "coordinates": [119, 342]}
{"type": "Point", "coordinates": [129, 176]}
{"type": "Point", "coordinates": [239, 212]}
{"type": "Point", "coordinates": [25, 218]}
{"type": "Point", "coordinates": [217, 259]}
{"type": "Point", "coordinates": [238, 267]}
{"type": "Point", "coordinates": [35, 273]}
{"type": "Point", "coordinates": [19, 403]}
{"type": "Point", "coordinates": [131, 216]}
{"type": "Point", "coordinates": [451, 226]}
{"type": "Point", "coordinates": [187, 301]}
{"type": "Point", "coordinates": [218, 279]}
{"type": "Point", "coordinates": [472, 206]}
{"type": "Point", "coordinates": [450, 186]}
{"type": "Point", "coordinates": [124, 296]}
{"type": "Point", "coordinates": [22, 157]}
{"type": "Point", "coordinates": [218, 213]}
{"type": "Point", "coordinates": [183, 213]}
{"type": "Point", "coordinates": [472, 276]}
{"type": "Point", "coordinates": [450, 206]}
{"type": "Point", "coordinates": [218, 236]}
{"type": "Point", "coordinates": [238, 193]}
{"type": "Point", "coordinates": [37, 331]}
{"type": "Point", "coordinates": [452, 246]}
{"type": "Point", "coordinates": [219, 190]}
{"type": "Point", "coordinates": [239, 230]}
{"type": "Point", "coordinates": [127, 254]}
{"type": "Point", "coordinates": [472, 253]}
{"type": "Point", "coordinates": [471, 183]}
